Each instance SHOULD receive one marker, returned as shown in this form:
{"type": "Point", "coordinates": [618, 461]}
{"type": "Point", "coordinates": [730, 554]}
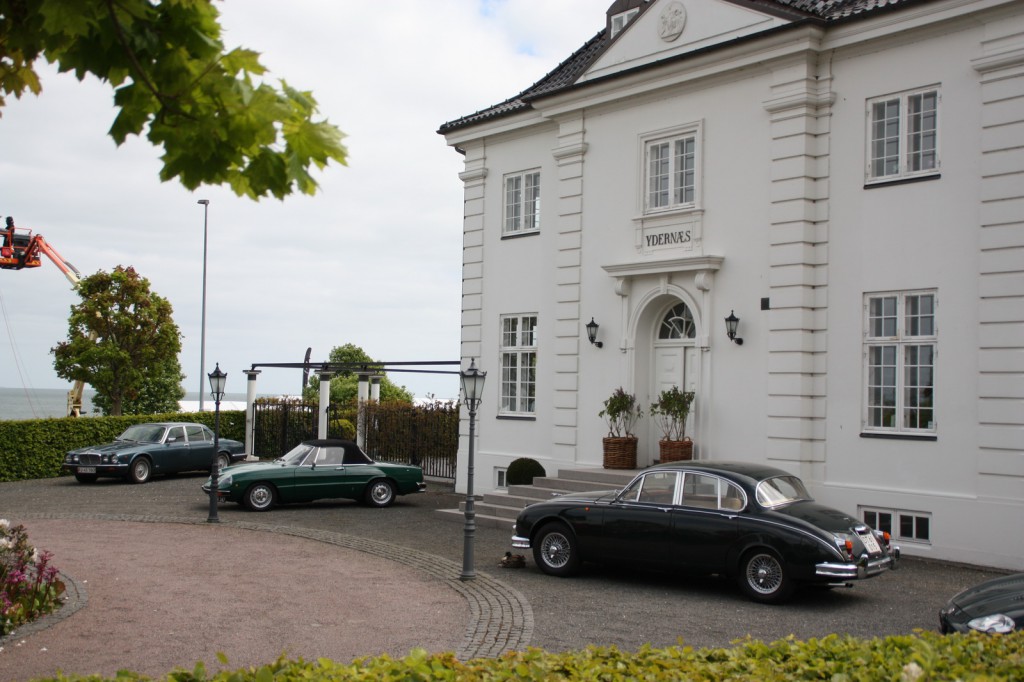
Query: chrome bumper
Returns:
{"type": "Point", "coordinates": [865, 568]}
{"type": "Point", "coordinates": [519, 542]}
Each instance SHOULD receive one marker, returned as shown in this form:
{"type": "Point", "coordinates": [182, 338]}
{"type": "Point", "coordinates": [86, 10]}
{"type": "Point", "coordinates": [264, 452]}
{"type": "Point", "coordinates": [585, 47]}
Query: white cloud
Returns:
{"type": "Point", "coordinates": [373, 259]}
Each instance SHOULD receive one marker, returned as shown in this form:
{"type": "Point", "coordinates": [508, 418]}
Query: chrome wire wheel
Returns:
{"type": "Point", "coordinates": [555, 550]}
{"type": "Point", "coordinates": [140, 470]}
{"type": "Point", "coordinates": [764, 574]}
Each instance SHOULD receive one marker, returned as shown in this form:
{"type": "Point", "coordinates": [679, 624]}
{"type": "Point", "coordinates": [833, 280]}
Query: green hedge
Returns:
{"type": "Point", "coordinates": [35, 448]}
{"type": "Point", "coordinates": [922, 657]}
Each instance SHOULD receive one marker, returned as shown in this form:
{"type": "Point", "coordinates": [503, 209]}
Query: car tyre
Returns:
{"type": "Point", "coordinates": [223, 460]}
{"type": "Point", "coordinates": [555, 550]}
{"type": "Point", "coordinates": [763, 577]}
{"type": "Point", "coordinates": [380, 493]}
{"type": "Point", "coordinates": [86, 478]}
{"type": "Point", "coordinates": [260, 497]}
{"type": "Point", "coordinates": [140, 470]}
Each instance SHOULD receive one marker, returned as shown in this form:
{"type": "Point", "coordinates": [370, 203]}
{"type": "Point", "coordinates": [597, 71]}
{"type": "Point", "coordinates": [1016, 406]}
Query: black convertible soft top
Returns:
{"type": "Point", "coordinates": [353, 453]}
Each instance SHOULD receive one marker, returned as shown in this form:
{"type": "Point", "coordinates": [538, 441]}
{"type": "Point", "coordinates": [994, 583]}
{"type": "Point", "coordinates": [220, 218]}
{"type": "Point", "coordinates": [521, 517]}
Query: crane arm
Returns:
{"type": "Point", "coordinates": [62, 263]}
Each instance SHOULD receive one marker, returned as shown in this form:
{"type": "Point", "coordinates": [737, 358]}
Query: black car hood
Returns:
{"type": "Point", "coordinates": [820, 516]}
{"type": "Point", "coordinates": [999, 595]}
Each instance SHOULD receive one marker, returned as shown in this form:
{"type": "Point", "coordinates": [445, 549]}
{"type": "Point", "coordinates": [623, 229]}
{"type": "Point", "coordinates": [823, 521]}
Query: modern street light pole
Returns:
{"type": "Point", "coordinates": [472, 392]}
{"type": "Point", "coordinates": [217, 381]}
{"type": "Point", "coordinates": [202, 336]}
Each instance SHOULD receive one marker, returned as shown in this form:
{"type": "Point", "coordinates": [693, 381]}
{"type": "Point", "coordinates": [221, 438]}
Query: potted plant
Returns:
{"type": "Point", "coordinates": [670, 411]}
{"type": "Point", "coordinates": [621, 412]}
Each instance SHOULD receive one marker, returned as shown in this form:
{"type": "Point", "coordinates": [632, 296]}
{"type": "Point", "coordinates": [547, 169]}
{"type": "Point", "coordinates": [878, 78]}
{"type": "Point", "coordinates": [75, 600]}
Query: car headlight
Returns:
{"type": "Point", "coordinates": [997, 623]}
{"type": "Point", "coordinates": [224, 481]}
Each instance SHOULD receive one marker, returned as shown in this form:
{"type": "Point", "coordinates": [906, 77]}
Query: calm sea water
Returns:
{"type": "Point", "coordinates": [43, 403]}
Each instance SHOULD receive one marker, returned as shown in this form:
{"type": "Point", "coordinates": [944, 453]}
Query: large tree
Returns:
{"type": "Point", "coordinates": [123, 342]}
{"type": "Point", "coordinates": [175, 82]}
{"type": "Point", "coordinates": [345, 385]}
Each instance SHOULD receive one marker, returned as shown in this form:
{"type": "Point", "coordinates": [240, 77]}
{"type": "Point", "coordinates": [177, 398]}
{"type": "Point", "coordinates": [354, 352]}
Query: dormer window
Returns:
{"type": "Point", "coordinates": [620, 20]}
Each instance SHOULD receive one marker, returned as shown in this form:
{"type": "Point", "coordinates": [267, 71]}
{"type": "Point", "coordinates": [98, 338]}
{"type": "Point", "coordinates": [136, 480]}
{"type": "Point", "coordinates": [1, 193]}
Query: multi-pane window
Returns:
{"type": "Point", "coordinates": [903, 135]}
{"type": "Point", "coordinates": [671, 172]}
{"type": "Point", "coordinates": [620, 20]}
{"type": "Point", "coordinates": [677, 324]}
{"type": "Point", "coordinates": [522, 203]}
{"type": "Point", "coordinates": [905, 525]}
{"type": "Point", "coordinates": [518, 364]}
{"type": "Point", "coordinates": [900, 349]}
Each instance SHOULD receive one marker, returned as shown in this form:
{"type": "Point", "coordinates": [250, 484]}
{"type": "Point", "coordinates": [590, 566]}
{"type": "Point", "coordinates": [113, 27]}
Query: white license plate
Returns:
{"type": "Point", "coordinates": [871, 544]}
{"type": "Point", "coordinates": [86, 470]}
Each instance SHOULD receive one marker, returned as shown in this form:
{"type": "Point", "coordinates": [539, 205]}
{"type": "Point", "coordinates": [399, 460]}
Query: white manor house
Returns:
{"type": "Point", "coordinates": [845, 177]}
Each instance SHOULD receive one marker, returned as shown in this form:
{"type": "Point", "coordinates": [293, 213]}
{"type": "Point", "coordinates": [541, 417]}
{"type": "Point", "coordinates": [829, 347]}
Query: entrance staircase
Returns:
{"type": "Point", "coordinates": [499, 509]}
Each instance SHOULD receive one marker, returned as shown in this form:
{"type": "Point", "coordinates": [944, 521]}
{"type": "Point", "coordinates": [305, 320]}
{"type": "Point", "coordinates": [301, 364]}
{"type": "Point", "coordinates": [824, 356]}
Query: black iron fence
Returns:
{"type": "Point", "coordinates": [425, 435]}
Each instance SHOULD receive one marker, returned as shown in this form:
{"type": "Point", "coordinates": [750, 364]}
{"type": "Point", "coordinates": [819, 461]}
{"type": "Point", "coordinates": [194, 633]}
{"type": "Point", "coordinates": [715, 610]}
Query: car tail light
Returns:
{"type": "Point", "coordinates": [848, 545]}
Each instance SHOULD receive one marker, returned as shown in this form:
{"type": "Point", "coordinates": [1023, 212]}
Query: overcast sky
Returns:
{"type": "Point", "coordinates": [373, 259]}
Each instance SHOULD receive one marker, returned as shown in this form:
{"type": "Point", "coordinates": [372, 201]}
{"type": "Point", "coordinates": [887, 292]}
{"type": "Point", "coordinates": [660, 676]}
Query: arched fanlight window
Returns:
{"type": "Point", "coordinates": [678, 324]}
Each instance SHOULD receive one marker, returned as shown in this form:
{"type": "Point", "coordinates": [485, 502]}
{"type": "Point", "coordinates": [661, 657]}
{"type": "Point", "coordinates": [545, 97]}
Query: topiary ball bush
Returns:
{"type": "Point", "coordinates": [523, 470]}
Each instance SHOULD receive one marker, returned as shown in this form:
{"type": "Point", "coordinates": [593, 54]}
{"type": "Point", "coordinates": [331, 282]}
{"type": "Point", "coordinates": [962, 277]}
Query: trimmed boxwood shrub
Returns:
{"type": "Point", "coordinates": [922, 657]}
{"type": "Point", "coordinates": [35, 448]}
{"type": "Point", "coordinates": [522, 471]}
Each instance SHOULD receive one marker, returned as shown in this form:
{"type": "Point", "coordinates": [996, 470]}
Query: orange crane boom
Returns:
{"type": "Point", "coordinates": [22, 249]}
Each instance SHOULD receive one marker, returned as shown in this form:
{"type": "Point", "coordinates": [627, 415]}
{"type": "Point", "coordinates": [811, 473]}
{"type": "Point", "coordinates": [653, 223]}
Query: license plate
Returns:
{"type": "Point", "coordinates": [871, 544]}
{"type": "Point", "coordinates": [87, 470]}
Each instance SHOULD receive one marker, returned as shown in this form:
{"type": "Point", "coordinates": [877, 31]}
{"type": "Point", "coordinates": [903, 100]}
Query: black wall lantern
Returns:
{"type": "Point", "coordinates": [731, 324]}
{"type": "Point", "coordinates": [592, 328]}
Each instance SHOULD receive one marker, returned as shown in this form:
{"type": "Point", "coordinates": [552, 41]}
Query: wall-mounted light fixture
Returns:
{"type": "Point", "coordinates": [732, 323]}
{"type": "Point", "coordinates": [592, 328]}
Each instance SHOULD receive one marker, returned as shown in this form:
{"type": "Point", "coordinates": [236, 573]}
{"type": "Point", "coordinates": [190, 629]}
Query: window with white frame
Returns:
{"type": "Point", "coordinates": [522, 203]}
{"type": "Point", "coordinates": [671, 170]}
{"type": "Point", "coordinates": [903, 135]}
{"type": "Point", "coordinates": [905, 525]}
{"type": "Point", "coordinates": [518, 364]}
{"type": "Point", "coordinates": [620, 20]}
{"type": "Point", "coordinates": [900, 350]}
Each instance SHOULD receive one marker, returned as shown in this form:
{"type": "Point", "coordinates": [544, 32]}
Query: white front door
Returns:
{"type": "Point", "coordinates": [675, 364]}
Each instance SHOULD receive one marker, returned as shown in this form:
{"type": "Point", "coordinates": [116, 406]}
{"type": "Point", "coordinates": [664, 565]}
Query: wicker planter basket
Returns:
{"type": "Point", "coordinates": [675, 450]}
{"type": "Point", "coordinates": [620, 453]}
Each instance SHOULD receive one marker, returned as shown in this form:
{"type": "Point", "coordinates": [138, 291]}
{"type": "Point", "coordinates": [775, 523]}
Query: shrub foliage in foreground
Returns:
{"type": "Point", "coordinates": [908, 658]}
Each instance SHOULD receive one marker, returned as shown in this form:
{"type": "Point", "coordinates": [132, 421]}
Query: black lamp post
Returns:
{"type": "Point", "coordinates": [217, 381]}
{"type": "Point", "coordinates": [472, 392]}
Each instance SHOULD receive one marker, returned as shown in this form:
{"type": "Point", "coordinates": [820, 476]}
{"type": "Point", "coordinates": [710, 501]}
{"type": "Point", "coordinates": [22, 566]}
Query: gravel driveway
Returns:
{"type": "Point", "coordinates": [202, 588]}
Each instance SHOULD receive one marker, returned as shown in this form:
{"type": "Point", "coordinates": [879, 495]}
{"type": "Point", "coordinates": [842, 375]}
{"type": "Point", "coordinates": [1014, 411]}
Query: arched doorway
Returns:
{"type": "Point", "coordinates": [674, 358]}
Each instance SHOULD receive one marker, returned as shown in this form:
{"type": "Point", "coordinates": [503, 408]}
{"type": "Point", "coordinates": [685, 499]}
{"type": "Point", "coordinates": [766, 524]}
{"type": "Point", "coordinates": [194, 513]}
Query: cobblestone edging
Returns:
{"type": "Point", "coordinates": [75, 597]}
{"type": "Point", "coordinates": [500, 617]}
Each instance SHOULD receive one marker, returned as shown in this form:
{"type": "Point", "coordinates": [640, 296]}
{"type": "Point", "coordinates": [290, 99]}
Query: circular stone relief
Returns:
{"type": "Point", "coordinates": [672, 21]}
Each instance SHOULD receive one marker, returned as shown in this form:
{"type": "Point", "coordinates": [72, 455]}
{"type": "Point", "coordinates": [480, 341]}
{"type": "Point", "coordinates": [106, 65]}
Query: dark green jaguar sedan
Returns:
{"type": "Point", "coordinates": [314, 470]}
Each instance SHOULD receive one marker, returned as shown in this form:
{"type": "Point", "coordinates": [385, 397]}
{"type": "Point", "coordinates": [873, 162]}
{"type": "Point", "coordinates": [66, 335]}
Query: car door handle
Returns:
{"type": "Point", "coordinates": [665, 509]}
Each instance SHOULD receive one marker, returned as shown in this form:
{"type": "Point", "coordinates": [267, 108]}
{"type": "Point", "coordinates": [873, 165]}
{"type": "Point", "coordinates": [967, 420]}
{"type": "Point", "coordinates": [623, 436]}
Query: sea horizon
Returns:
{"type": "Point", "coordinates": [50, 403]}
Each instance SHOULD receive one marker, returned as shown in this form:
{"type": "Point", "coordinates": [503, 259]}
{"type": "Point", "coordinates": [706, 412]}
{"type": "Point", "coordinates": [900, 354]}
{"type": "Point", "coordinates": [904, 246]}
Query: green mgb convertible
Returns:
{"type": "Point", "coordinates": [314, 470]}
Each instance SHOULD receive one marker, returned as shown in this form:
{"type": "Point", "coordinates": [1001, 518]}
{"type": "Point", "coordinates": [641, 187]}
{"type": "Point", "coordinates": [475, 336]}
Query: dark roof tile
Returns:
{"type": "Point", "coordinates": [566, 74]}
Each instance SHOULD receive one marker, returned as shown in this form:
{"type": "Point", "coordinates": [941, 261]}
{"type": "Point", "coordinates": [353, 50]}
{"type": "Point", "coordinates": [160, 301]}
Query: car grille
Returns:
{"type": "Point", "coordinates": [89, 458]}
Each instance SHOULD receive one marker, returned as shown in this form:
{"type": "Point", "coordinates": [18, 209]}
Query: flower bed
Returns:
{"type": "Point", "coordinates": [29, 585]}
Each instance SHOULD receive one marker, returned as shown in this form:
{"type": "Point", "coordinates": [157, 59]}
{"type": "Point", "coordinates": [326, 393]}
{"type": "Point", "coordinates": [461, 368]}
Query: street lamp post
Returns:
{"type": "Point", "coordinates": [472, 392]}
{"type": "Point", "coordinates": [217, 381]}
{"type": "Point", "coordinates": [202, 334]}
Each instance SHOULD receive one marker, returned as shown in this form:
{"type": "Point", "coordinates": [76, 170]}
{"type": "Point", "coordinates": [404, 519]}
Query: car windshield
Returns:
{"type": "Point", "coordinates": [296, 455]}
{"type": "Point", "coordinates": [143, 433]}
{"type": "Point", "coordinates": [775, 492]}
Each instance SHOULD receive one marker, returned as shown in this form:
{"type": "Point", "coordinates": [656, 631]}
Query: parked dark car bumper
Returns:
{"type": "Point", "coordinates": [860, 570]}
{"type": "Point", "coordinates": [97, 469]}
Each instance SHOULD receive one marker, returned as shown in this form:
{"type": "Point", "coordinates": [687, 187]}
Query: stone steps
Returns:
{"type": "Point", "coordinates": [500, 509]}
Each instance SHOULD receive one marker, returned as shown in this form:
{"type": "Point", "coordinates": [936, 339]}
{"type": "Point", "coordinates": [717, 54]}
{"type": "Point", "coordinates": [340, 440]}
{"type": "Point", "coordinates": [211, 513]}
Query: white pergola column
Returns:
{"type": "Point", "coordinates": [363, 395]}
{"type": "Point", "coordinates": [325, 402]}
{"type": "Point", "coordinates": [375, 388]}
{"type": "Point", "coordinates": [250, 410]}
